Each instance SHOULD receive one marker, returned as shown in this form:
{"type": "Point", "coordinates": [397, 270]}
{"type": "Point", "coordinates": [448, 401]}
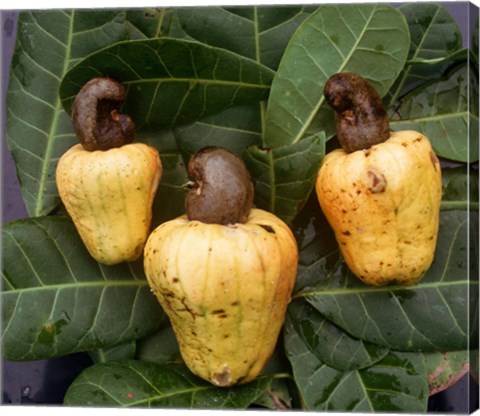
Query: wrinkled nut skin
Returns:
{"type": "Point", "coordinates": [96, 118]}
{"type": "Point", "coordinates": [225, 289]}
{"type": "Point", "coordinates": [223, 189]}
{"type": "Point", "coordinates": [383, 204]}
{"type": "Point", "coordinates": [361, 119]}
{"type": "Point", "coordinates": [109, 196]}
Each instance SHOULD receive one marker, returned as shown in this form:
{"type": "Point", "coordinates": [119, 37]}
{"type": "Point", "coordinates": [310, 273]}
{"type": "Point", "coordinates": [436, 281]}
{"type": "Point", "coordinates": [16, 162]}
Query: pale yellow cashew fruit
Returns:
{"type": "Point", "coordinates": [107, 183]}
{"type": "Point", "coordinates": [382, 199]}
{"type": "Point", "coordinates": [109, 196]}
{"type": "Point", "coordinates": [224, 286]}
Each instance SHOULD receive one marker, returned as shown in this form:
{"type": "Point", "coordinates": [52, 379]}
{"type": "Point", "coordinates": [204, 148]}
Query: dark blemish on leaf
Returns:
{"type": "Point", "coordinates": [267, 228]}
{"type": "Point", "coordinates": [379, 48]}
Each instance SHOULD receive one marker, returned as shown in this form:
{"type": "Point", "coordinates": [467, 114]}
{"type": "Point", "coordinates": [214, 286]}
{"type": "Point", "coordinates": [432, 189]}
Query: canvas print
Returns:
{"type": "Point", "coordinates": [242, 207]}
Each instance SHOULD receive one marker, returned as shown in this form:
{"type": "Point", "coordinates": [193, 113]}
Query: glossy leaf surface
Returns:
{"type": "Point", "coordinates": [443, 112]}
{"type": "Point", "coordinates": [135, 383]}
{"type": "Point", "coordinates": [284, 176]}
{"type": "Point", "coordinates": [396, 383]}
{"type": "Point", "coordinates": [57, 300]}
{"type": "Point", "coordinates": [330, 344]}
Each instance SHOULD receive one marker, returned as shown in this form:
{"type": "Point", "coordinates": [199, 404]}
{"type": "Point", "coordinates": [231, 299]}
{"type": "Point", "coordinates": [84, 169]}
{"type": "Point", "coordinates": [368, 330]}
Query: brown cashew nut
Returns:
{"type": "Point", "coordinates": [359, 112]}
{"type": "Point", "coordinates": [223, 189]}
{"type": "Point", "coordinates": [96, 119]}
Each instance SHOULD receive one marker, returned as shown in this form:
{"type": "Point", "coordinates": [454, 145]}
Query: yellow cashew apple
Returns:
{"type": "Point", "coordinates": [382, 198]}
{"type": "Point", "coordinates": [106, 182]}
{"type": "Point", "coordinates": [225, 286]}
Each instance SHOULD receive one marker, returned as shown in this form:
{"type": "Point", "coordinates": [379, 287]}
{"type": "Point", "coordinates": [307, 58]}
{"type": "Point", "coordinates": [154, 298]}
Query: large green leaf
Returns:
{"type": "Point", "coordinates": [135, 383]}
{"type": "Point", "coordinates": [446, 111]}
{"type": "Point", "coordinates": [257, 32]}
{"type": "Point", "coordinates": [370, 39]}
{"type": "Point", "coordinates": [433, 315]}
{"type": "Point", "coordinates": [235, 129]}
{"type": "Point", "coordinates": [172, 81]}
{"type": "Point", "coordinates": [38, 131]}
{"type": "Point", "coordinates": [57, 300]}
{"type": "Point", "coordinates": [284, 176]}
{"type": "Point", "coordinates": [396, 383]}
{"type": "Point", "coordinates": [330, 344]}
{"type": "Point", "coordinates": [433, 34]}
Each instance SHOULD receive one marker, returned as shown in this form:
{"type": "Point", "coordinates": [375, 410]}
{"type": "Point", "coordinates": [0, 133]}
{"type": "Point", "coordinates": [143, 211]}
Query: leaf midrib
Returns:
{"type": "Point", "coordinates": [76, 285]}
{"type": "Point", "coordinates": [44, 173]}
{"type": "Point", "coordinates": [358, 291]}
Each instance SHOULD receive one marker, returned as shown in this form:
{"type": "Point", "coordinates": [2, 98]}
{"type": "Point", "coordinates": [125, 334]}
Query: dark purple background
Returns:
{"type": "Point", "coordinates": [45, 381]}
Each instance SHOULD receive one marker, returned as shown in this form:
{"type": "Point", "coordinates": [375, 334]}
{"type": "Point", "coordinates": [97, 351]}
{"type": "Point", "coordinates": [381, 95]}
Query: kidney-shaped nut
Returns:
{"type": "Point", "coordinates": [96, 118]}
{"type": "Point", "coordinates": [359, 112]}
{"type": "Point", "coordinates": [222, 192]}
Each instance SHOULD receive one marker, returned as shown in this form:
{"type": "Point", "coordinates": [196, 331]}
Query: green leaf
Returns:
{"type": "Point", "coordinates": [398, 383]}
{"type": "Point", "coordinates": [370, 39]}
{"type": "Point", "coordinates": [38, 130]}
{"type": "Point", "coordinates": [235, 129]}
{"type": "Point", "coordinates": [160, 347]}
{"type": "Point", "coordinates": [445, 369]}
{"type": "Point", "coordinates": [434, 34]}
{"type": "Point", "coordinates": [284, 176]}
{"type": "Point", "coordinates": [442, 111]}
{"type": "Point", "coordinates": [118, 352]}
{"type": "Point", "coordinates": [57, 300]}
{"type": "Point", "coordinates": [258, 32]}
{"type": "Point", "coordinates": [134, 383]}
{"type": "Point", "coordinates": [459, 188]}
{"type": "Point", "coordinates": [432, 315]}
{"type": "Point", "coordinates": [460, 55]}
{"type": "Point", "coordinates": [171, 81]}
{"type": "Point", "coordinates": [148, 23]}
{"type": "Point", "coordinates": [330, 344]}
{"type": "Point", "coordinates": [318, 249]}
